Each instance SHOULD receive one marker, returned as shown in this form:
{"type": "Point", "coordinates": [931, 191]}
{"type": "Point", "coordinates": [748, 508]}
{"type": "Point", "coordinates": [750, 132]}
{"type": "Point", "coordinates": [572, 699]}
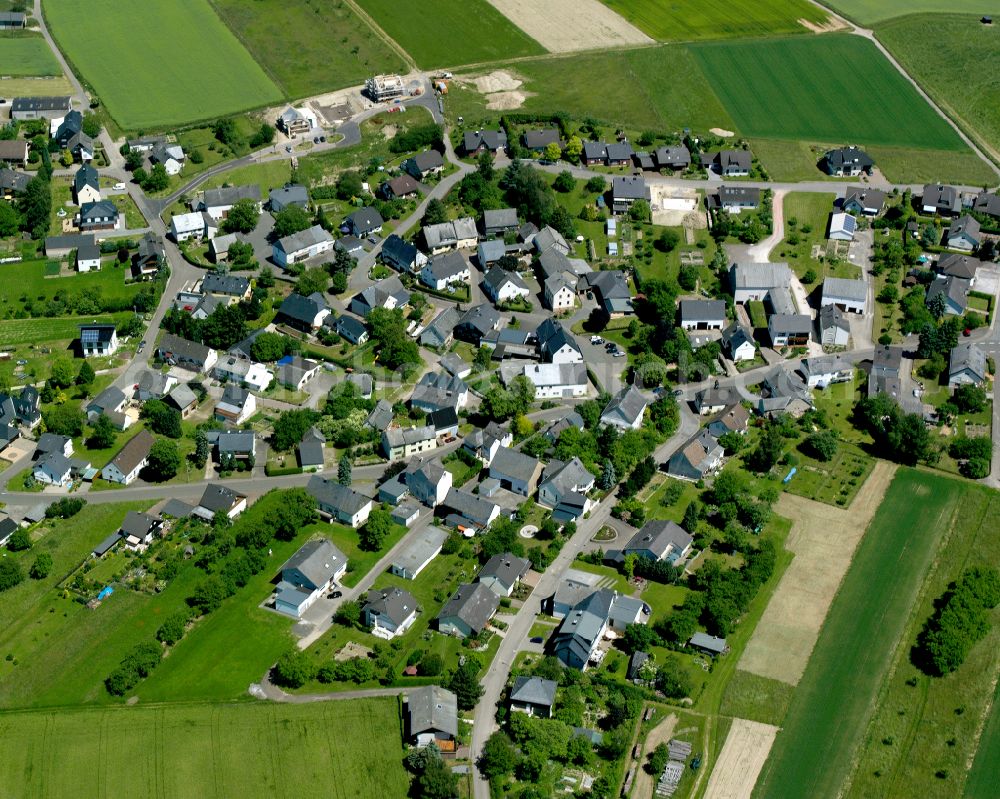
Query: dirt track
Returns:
{"type": "Point", "coordinates": [741, 759]}
{"type": "Point", "coordinates": [561, 26]}
{"type": "Point", "coordinates": [823, 539]}
{"type": "Point", "coordinates": [660, 734]}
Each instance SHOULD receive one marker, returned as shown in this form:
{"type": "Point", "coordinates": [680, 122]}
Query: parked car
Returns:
{"type": "Point", "coordinates": [596, 340]}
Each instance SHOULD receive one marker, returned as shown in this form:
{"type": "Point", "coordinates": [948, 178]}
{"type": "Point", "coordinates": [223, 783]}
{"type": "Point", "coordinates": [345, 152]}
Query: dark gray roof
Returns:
{"type": "Point", "coordinates": [318, 560]}
{"type": "Point", "coordinates": [469, 506]}
{"type": "Point", "coordinates": [303, 239]}
{"type": "Point", "coordinates": [292, 194]}
{"type": "Point", "coordinates": [137, 524]}
{"type": "Point", "coordinates": [108, 400]}
{"type": "Point", "coordinates": [953, 288]}
{"type": "Point", "coordinates": [237, 442]}
{"type": "Point", "coordinates": [491, 139]}
{"type": "Point", "coordinates": [219, 497]}
{"type": "Point", "coordinates": [790, 323]}
{"type": "Point", "coordinates": [428, 159]}
{"type": "Point", "coordinates": [22, 104]}
{"type": "Point", "coordinates": [381, 416]}
{"type": "Point", "coordinates": [534, 690]}
{"type": "Point", "coordinates": [698, 310]}
{"type": "Point", "coordinates": [473, 603]}
{"type": "Point", "coordinates": [673, 156]}
{"type": "Point", "coordinates": [51, 442]}
{"type": "Point", "coordinates": [230, 285]}
{"type": "Point", "coordinates": [849, 157]}
{"type": "Point", "coordinates": [446, 265]}
{"type": "Point", "coordinates": [482, 318]}
{"type": "Point", "coordinates": [505, 568]}
{"type": "Point", "coordinates": [832, 316]}
{"type": "Point", "coordinates": [177, 509]}
{"type": "Point", "coordinates": [393, 603]}
{"type": "Point", "coordinates": [302, 309]}
{"type": "Point", "coordinates": [230, 195]}
{"type": "Point", "coordinates": [511, 463]}
{"type": "Point", "coordinates": [738, 195]}
{"type": "Point", "coordinates": [432, 709]}
{"type": "Point", "coordinates": [500, 218]}
{"type": "Point", "coordinates": [968, 356]}
{"type": "Point", "coordinates": [539, 139]}
{"type": "Point", "coordinates": [954, 264]}
{"type": "Point", "coordinates": [629, 404]}
{"type": "Point", "coordinates": [399, 251]}
{"type": "Point", "coordinates": [942, 198]}
{"type": "Point", "coordinates": [629, 187]}
{"type": "Point", "coordinates": [496, 278]}
{"type": "Point", "coordinates": [659, 537]}
{"type": "Point", "coordinates": [335, 495]}
{"type": "Point", "coordinates": [365, 220]}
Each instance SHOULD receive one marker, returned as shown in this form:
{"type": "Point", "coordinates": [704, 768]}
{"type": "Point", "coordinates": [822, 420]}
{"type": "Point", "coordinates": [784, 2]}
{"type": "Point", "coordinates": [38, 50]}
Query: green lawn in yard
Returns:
{"type": "Point", "coordinates": [334, 749]}
{"type": "Point", "coordinates": [811, 213]}
{"type": "Point", "coordinates": [268, 175]}
{"type": "Point", "coordinates": [663, 598]}
{"type": "Point", "coordinates": [821, 88]}
{"type": "Point", "coordinates": [656, 509]}
{"type": "Point", "coordinates": [813, 752]}
{"type": "Point", "coordinates": [610, 578]}
{"type": "Point", "coordinates": [476, 31]}
{"type": "Point", "coordinates": [834, 482]}
{"type": "Point", "coordinates": [359, 562]}
{"type": "Point", "coordinates": [334, 47]}
{"type": "Point", "coordinates": [758, 317]}
{"type": "Point", "coordinates": [687, 20]}
{"type": "Point", "coordinates": [904, 165]}
{"type": "Point", "coordinates": [28, 281]}
{"type": "Point", "coordinates": [790, 160]}
{"type": "Point", "coordinates": [869, 12]}
{"type": "Point", "coordinates": [188, 67]}
{"type": "Point", "coordinates": [26, 54]}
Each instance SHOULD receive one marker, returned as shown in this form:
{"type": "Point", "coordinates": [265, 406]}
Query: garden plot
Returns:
{"type": "Point", "coordinates": [562, 26]}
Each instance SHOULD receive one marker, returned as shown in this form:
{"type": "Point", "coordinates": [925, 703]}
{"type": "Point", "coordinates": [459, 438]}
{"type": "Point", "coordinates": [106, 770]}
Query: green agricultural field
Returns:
{"type": "Point", "coordinates": [28, 279]}
{"type": "Point", "coordinates": [334, 749]}
{"type": "Point", "coordinates": [933, 723]}
{"type": "Point", "coordinates": [14, 332]}
{"type": "Point", "coordinates": [812, 755]}
{"type": "Point", "coordinates": [750, 696]}
{"type": "Point", "coordinates": [686, 20]}
{"type": "Point", "coordinates": [821, 89]}
{"type": "Point", "coordinates": [452, 33]}
{"type": "Point", "coordinates": [26, 55]}
{"type": "Point", "coordinates": [869, 12]}
{"type": "Point", "coordinates": [333, 46]}
{"type": "Point", "coordinates": [962, 79]}
{"type": "Point", "coordinates": [159, 62]}
{"type": "Point", "coordinates": [981, 783]}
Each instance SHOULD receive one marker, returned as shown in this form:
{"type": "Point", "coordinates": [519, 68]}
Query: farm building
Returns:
{"type": "Point", "coordinates": [848, 295]}
{"type": "Point", "coordinates": [418, 553]}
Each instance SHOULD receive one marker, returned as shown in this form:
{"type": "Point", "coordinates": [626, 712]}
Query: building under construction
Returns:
{"type": "Point", "coordinates": [385, 87]}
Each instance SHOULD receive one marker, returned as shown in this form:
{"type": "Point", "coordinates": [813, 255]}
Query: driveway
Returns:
{"type": "Point", "coordinates": [760, 251]}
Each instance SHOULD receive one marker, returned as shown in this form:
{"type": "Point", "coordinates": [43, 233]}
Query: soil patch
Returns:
{"type": "Point", "coordinates": [742, 757]}
{"type": "Point", "coordinates": [561, 26]}
{"type": "Point", "coordinates": [721, 132]}
{"type": "Point", "coordinates": [660, 734]}
{"type": "Point", "coordinates": [827, 27]}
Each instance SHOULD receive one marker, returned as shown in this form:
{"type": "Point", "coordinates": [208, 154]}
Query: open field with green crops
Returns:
{"type": "Point", "coordinates": [962, 77]}
{"type": "Point", "coordinates": [981, 783]}
{"type": "Point", "coordinates": [26, 55]}
{"type": "Point", "coordinates": [333, 46]}
{"type": "Point", "coordinates": [812, 755]}
{"type": "Point", "coordinates": [869, 12]}
{"type": "Point", "coordinates": [159, 62]}
{"type": "Point", "coordinates": [333, 749]}
{"type": "Point", "coordinates": [823, 88]}
{"type": "Point", "coordinates": [451, 33]}
{"type": "Point", "coordinates": [932, 723]}
{"type": "Point", "coordinates": [685, 20]}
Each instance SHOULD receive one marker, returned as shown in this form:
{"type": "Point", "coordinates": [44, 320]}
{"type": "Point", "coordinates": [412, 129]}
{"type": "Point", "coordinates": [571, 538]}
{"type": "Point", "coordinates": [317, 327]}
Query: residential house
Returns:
{"type": "Point", "coordinates": [469, 510]}
{"type": "Point", "coordinates": [486, 442]}
{"type": "Point", "coordinates": [848, 295]}
{"type": "Point", "coordinates": [734, 419]}
{"type": "Point", "coordinates": [468, 611]}
{"type": "Point", "coordinates": [842, 227]}
{"type": "Point", "coordinates": [435, 391]}
{"type": "Point", "coordinates": [733, 163]}
{"type": "Point", "coordinates": [419, 551]}
{"type": "Point", "coordinates": [697, 458]}
{"type": "Point", "coordinates": [101, 215]}
{"type": "Point", "coordinates": [13, 183]}
{"type": "Point", "coordinates": [401, 255]}
{"type": "Point", "coordinates": [477, 323]}
{"type": "Point", "coordinates": [453, 364]}
{"type": "Point", "coordinates": [712, 400]}
{"type": "Point", "coordinates": [789, 330]}
{"type": "Point", "coordinates": [131, 459]}
{"type": "Point", "coordinates": [556, 344]}
{"type": "Point", "coordinates": [109, 401]}
{"type": "Point", "coordinates": [512, 342]}
{"type": "Point", "coordinates": [219, 499]}
{"type": "Point", "coordinates": [834, 327]}
{"type": "Point", "coordinates": [389, 612]}
{"type": "Point", "coordinates": [398, 442]}
{"type": "Point", "coordinates": [20, 409]}
{"type": "Point", "coordinates": [964, 267]}
{"type": "Point", "coordinates": [233, 445]}
{"type": "Point", "coordinates": [218, 202]}
{"type": "Point", "coordinates": [612, 290]}
{"type": "Point", "coordinates": [303, 313]}
{"type": "Point", "coordinates": [340, 503]}
{"type": "Point", "coordinates": [560, 292]}
{"type": "Point", "coordinates": [516, 471]}
{"type": "Point", "coordinates": [734, 199]}
{"type": "Point", "coordinates": [576, 641]}
{"type": "Point", "coordinates": [291, 195]}
{"type": "Point", "coordinates": [295, 371]}
{"type": "Point", "coordinates": [138, 529]}
{"type": "Point", "coordinates": [739, 343]}
{"type": "Point", "coordinates": [233, 287]}
{"type": "Point", "coordinates": [186, 354]}
{"type": "Point", "coordinates": [939, 199]}
{"type": "Point", "coordinates": [297, 121]}
{"type": "Point", "coordinates": [553, 380]}
{"type": "Point", "coordinates": [533, 695]}
{"type": "Point", "coordinates": [675, 158]}
{"type": "Point", "coordinates": [660, 540]}
{"type": "Point", "coordinates": [183, 399]}
{"type": "Point", "coordinates": [350, 245]}
{"type": "Point", "coordinates": [86, 185]}
{"type": "Point", "coordinates": [548, 238]}
{"type": "Point", "coordinates": [963, 234]}
{"type": "Point", "coordinates": [62, 246]}
{"type": "Point", "coordinates": [424, 164]}
{"type": "Point", "coordinates": [626, 190]}
{"type": "Point", "coordinates": [444, 269]}
{"type": "Point", "coordinates": [53, 469]}
{"type": "Point", "coordinates": [307, 575]}
{"type": "Point", "coordinates": [502, 573]}
{"type": "Point", "coordinates": [69, 127]}
{"type": "Point", "coordinates": [753, 281]}
{"type": "Point", "coordinates": [432, 717]}
{"type": "Point", "coordinates": [847, 162]}
{"type": "Point", "coordinates": [538, 140]}
{"type": "Point", "coordinates": [626, 409]}
{"type": "Point", "coordinates": [81, 147]}
{"type": "Point", "coordinates": [310, 450]}
{"type": "Point", "coordinates": [863, 200]}
{"type": "Point", "coordinates": [503, 286]}
{"type": "Point", "coordinates": [54, 109]}
{"type": "Point", "coordinates": [52, 442]}
{"type": "Point", "coordinates": [301, 246]}
{"type": "Point", "coordinates": [826, 370]}
{"type": "Point", "coordinates": [707, 644]}
{"type": "Point", "coordinates": [966, 365]}
{"type": "Point", "coordinates": [364, 384]}
{"type": "Point", "coordinates": [170, 156]}
{"type": "Point", "coordinates": [887, 361]}
{"type": "Point", "coordinates": [363, 223]}
{"type": "Point", "coordinates": [563, 487]}
{"type": "Point", "coordinates": [953, 290]}
{"type": "Point", "coordinates": [14, 151]}
{"type": "Point", "coordinates": [440, 332]}
{"type": "Point", "coordinates": [988, 203]}
{"type": "Point", "coordinates": [784, 393]}
{"type": "Point", "coordinates": [195, 225]}
{"type": "Point", "coordinates": [240, 372]}
{"type": "Point", "coordinates": [399, 188]}
{"type": "Point", "coordinates": [454, 235]}
{"type": "Point", "coordinates": [702, 314]}
{"type": "Point", "coordinates": [500, 221]}
{"type": "Point", "coordinates": [388, 294]}
{"type": "Point", "coordinates": [98, 340]}
{"type": "Point", "coordinates": [236, 406]}
{"type": "Point", "coordinates": [218, 248]}
{"type": "Point", "coordinates": [88, 258]}
{"type": "Point", "coordinates": [477, 141]}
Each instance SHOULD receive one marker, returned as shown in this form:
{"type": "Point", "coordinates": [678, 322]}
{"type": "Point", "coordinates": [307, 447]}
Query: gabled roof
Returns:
{"type": "Point", "coordinates": [482, 318]}
{"type": "Point", "coordinates": [110, 399]}
{"type": "Point", "coordinates": [86, 175]}
{"type": "Point", "coordinates": [505, 568]}
{"type": "Point", "coordinates": [849, 157]}
{"type": "Point", "coordinates": [736, 335]}
{"type": "Point", "coordinates": [134, 452]}
{"type": "Point", "coordinates": [497, 278]}
{"type": "Point", "coordinates": [98, 210]}
{"type": "Point", "coordinates": [865, 197]}
{"type": "Point", "coordinates": [699, 310]}
{"type": "Point", "coordinates": [964, 226]}
{"type": "Point", "coordinates": [333, 494]}
{"type": "Point", "coordinates": [138, 524]}
{"type": "Point", "coordinates": [393, 603]}
{"type": "Point", "coordinates": [428, 159]}
{"type": "Point", "coordinates": [236, 442]}
{"type": "Point", "coordinates": [446, 265]}
{"type": "Point", "coordinates": [832, 316]}
{"type": "Point", "coordinates": [552, 337]}
{"type": "Point", "coordinates": [511, 463]}
{"type": "Point", "coordinates": [534, 691]}
{"type": "Point", "coordinates": [968, 356]}
{"type": "Point", "coordinates": [491, 139]}
{"type": "Point", "coordinates": [432, 709]}
{"type": "Point", "coordinates": [399, 251]}
{"type": "Point", "coordinates": [629, 404]}
{"type": "Point", "coordinates": [660, 537]}
{"type": "Point", "coordinates": [470, 506]}
{"type": "Point", "coordinates": [954, 264]}
{"type": "Point", "coordinates": [939, 196]}
{"type": "Point", "coordinates": [844, 288]}
{"type": "Point", "coordinates": [292, 194]}
{"type": "Point", "coordinates": [565, 477]}
{"type": "Point", "coordinates": [365, 219]}
{"type": "Point", "coordinates": [629, 187]}
{"type": "Point", "coordinates": [953, 288]}
{"type": "Point", "coordinates": [230, 195]}
{"type": "Point", "coordinates": [227, 284]}
{"type": "Point", "coordinates": [447, 233]}
{"type": "Point", "coordinates": [318, 561]}
{"type": "Point", "coordinates": [473, 603]}
{"type": "Point", "coordinates": [304, 239]}
{"type": "Point", "coordinates": [303, 309]}
{"type": "Point", "coordinates": [401, 436]}
{"type": "Point", "coordinates": [760, 276]}
{"type": "Point", "coordinates": [500, 218]}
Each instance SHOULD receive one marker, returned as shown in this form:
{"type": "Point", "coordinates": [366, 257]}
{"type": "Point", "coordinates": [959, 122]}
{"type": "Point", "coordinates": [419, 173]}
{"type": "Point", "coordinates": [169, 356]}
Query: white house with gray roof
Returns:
{"type": "Point", "coordinates": [848, 295]}
{"type": "Point", "coordinates": [468, 611]}
{"type": "Point", "coordinates": [419, 551]}
{"type": "Point", "coordinates": [660, 540]}
{"type": "Point", "coordinates": [503, 572]}
{"type": "Point", "coordinates": [503, 286]}
{"type": "Point", "coordinates": [702, 314]}
{"type": "Point", "coordinates": [444, 269]}
{"type": "Point", "coordinates": [533, 695]}
{"type": "Point", "coordinates": [626, 409]}
{"type": "Point", "coordinates": [389, 612]}
{"type": "Point", "coordinates": [431, 716]}
{"type": "Point", "coordinates": [469, 510]}
{"type": "Point", "coordinates": [340, 503]}
{"type": "Point", "coordinates": [752, 281]}
{"type": "Point", "coordinates": [398, 442]}
{"type": "Point", "coordinates": [516, 471]}
{"type": "Point", "coordinates": [307, 575]}
{"type": "Point", "coordinates": [564, 486]}
{"type": "Point", "coordinates": [301, 246]}
{"type": "Point", "coordinates": [966, 365]}
{"type": "Point", "coordinates": [457, 234]}
{"type": "Point", "coordinates": [427, 480]}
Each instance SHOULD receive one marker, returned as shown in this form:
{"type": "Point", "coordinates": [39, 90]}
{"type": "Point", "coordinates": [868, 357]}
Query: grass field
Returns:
{"type": "Point", "coordinates": [825, 722]}
{"type": "Point", "coordinates": [811, 212]}
{"type": "Point", "coordinates": [160, 62]}
{"type": "Point", "coordinates": [868, 12]}
{"type": "Point", "coordinates": [823, 88]}
{"type": "Point", "coordinates": [342, 750]}
{"type": "Point", "coordinates": [685, 20]}
{"type": "Point", "coordinates": [750, 696]}
{"type": "Point", "coordinates": [476, 32]}
{"type": "Point", "coordinates": [981, 783]}
{"type": "Point", "coordinates": [26, 56]}
{"type": "Point", "coordinates": [963, 79]}
{"type": "Point", "coordinates": [28, 279]}
{"type": "Point", "coordinates": [14, 332]}
{"type": "Point", "coordinates": [932, 724]}
{"type": "Point", "coordinates": [333, 46]}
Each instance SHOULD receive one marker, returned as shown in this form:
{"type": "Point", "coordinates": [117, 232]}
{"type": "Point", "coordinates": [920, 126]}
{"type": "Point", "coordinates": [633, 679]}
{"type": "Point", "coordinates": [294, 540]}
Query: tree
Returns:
{"type": "Point", "coordinates": [164, 460]}
{"type": "Point", "coordinates": [35, 206]}
{"type": "Point", "coordinates": [225, 131]}
{"type": "Point", "coordinates": [692, 515]}
{"type": "Point", "coordinates": [437, 781]}
{"type": "Point", "coordinates": [292, 219]}
{"type": "Point", "coordinates": [374, 532]}
{"type": "Point", "coordinates": [162, 418]}
{"type": "Point", "coordinates": [823, 444]}
{"type": "Point", "coordinates": [499, 757]}
{"type": "Point", "coordinates": [172, 629]}
{"type": "Point", "coordinates": [484, 165]}
{"type": "Point", "coordinates": [464, 683]}
{"type": "Point", "coordinates": [157, 179]}
{"type": "Point", "coordinates": [768, 450]}
{"type": "Point", "coordinates": [344, 470]}
{"type": "Point", "coordinates": [263, 137]}
{"type": "Point", "coordinates": [608, 476]}
{"type": "Point", "coordinates": [265, 278]}
{"type": "Point", "coordinates": [269, 347]}
{"type": "Point", "coordinates": [19, 541]}
{"type": "Point", "coordinates": [349, 185]}
{"type": "Point", "coordinates": [10, 220]}
{"type": "Point", "coordinates": [969, 398]}
{"type": "Point", "coordinates": [668, 240]}
{"type": "Point", "coordinates": [42, 566]}
{"type": "Point", "coordinates": [395, 349]}
{"type": "Point", "coordinates": [291, 426]}
{"type": "Point", "coordinates": [574, 149]}
{"type": "Point", "coordinates": [242, 217]}
{"type": "Point", "coordinates": [62, 373]}
{"type": "Point", "coordinates": [294, 669]}
{"type": "Point", "coordinates": [596, 185]}
{"type": "Point", "coordinates": [201, 450]}
{"type": "Point", "coordinates": [86, 375]}
{"type": "Point", "coordinates": [639, 638]}
{"type": "Point", "coordinates": [553, 152]}
{"type": "Point", "coordinates": [430, 665]}
{"type": "Point", "coordinates": [435, 213]}
{"type": "Point", "coordinates": [564, 182]}
{"type": "Point", "coordinates": [103, 435]}
{"type": "Point", "coordinates": [348, 614]}
{"type": "Point", "coordinates": [639, 211]}
{"type": "Point", "coordinates": [312, 280]}
{"type": "Point", "coordinates": [64, 420]}
{"type": "Point", "coordinates": [65, 508]}
{"type": "Point", "coordinates": [11, 573]}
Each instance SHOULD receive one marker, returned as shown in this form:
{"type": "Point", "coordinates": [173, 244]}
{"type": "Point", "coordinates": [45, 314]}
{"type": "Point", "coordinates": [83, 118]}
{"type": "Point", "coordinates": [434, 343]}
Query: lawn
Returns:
{"type": "Point", "coordinates": [834, 482]}
{"type": "Point", "coordinates": [813, 753]}
{"type": "Point", "coordinates": [476, 31]}
{"type": "Point", "coordinates": [359, 562]}
{"type": "Point", "coordinates": [343, 750]}
{"type": "Point", "coordinates": [810, 212]}
{"type": "Point", "coordinates": [868, 12]}
{"type": "Point", "coordinates": [824, 88]}
{"type": "Point", "coordinates": [685, 20]}
{"type": "Point", "coordinates": [902, 165]}
{"type": "Point", "coordinates": [967, 55]}
{"type": "Point", "coordinates": [933, 723]}
{"type": "Point", "coordinates": [333, 46]}
{"type": "Point", "coordinates": [981, 783]}
{"type": "Point", "coordinates": [30, 331]}
{"type": "Point", "coordinates": [188, 67]}
{"type": "Point", "coordinates": [27, 281]}
{"type": "Point", "coordinates": [26, 55]}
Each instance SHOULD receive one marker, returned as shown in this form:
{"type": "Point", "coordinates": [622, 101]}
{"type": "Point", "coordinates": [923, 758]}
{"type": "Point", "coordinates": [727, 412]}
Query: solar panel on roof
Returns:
{"type": "Point", "coordinates": [90, 336]}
